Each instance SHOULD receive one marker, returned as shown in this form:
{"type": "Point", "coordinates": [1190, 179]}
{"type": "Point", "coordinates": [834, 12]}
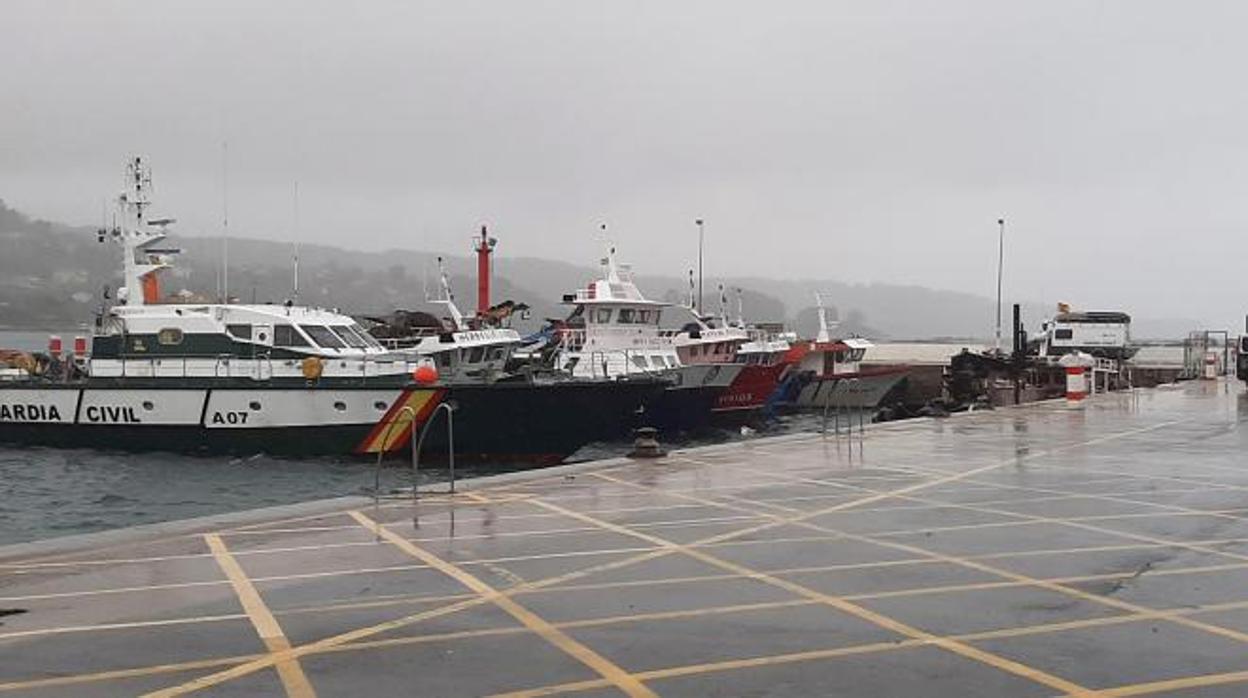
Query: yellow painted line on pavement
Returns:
{"type": "Point", "coordinates": [1143, 689]}
{"type": "Point", "coordinates": [604, 667]}
{"type": "Point", "coordinates": [711, 667]}
{"type": "Point", "coordinates": [955, 646]}
{"type": "Point", "coordinates": [293, 679]}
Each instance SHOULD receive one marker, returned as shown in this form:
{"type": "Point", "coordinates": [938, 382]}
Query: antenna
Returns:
{"type": "Point", "coordinates": [825, 327]}
{"type": "Point", "coordinates": [447, 294]}
{"type": "Point", "coordinates": [295, 295]}
{"type": "Point", "coordinates": [225, 222]}
{"type": "Point", "coordinates": [424, 279]}
{"type": "Point", "coordinates": [448, 297]}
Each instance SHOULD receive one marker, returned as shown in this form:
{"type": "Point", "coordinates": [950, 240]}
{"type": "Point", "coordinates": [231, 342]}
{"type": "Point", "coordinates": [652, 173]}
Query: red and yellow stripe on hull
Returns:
{"type": "Point", "coordinates": [394, 430]}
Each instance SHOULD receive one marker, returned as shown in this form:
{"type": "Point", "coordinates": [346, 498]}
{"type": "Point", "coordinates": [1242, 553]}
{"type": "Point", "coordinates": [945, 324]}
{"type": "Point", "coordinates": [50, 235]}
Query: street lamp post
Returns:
{"type": "Point", "coordinates": [1000, 264]}
{"type": "Point", "coordinates": [699, 222]}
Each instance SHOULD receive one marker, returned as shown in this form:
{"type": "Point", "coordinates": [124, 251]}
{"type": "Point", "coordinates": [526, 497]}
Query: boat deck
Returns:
{"type": "Point", "coordinates": [1032, 551]}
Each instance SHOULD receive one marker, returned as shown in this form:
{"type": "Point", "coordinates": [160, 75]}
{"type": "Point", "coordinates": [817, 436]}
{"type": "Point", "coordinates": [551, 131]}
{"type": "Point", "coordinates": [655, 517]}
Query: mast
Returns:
{"type": "Point", "coordinates": [448, 298]}
{"type": "Point", "coordinates": [225, 222]}
{"type": "Point", "coordinates": [140, 259]}
{"type": "Point", "coordinates": [825, 327]}
{"type": "Point", "coordinates": [484, 247]}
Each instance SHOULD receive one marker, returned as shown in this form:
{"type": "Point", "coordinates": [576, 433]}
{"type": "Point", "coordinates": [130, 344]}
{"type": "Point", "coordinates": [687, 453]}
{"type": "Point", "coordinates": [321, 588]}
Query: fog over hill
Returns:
{"type": "Point", "coordinates": [51, 276]}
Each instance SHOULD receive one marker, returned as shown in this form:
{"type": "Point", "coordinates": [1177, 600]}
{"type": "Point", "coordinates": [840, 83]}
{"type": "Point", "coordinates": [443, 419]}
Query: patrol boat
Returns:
{"type": "Point", "coordinates": [279, 379]}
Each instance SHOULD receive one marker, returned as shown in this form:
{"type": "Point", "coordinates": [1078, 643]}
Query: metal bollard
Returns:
{"type": "Point", "coordinates": [646, 444]}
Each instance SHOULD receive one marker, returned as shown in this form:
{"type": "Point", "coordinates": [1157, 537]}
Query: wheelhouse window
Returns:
{"type": "Point", "coordinates": [169, 336]}
{"type": "Point", "coordinates": [287, 336]}
{"type": "Point", "coordinates": [1064, 334]}
{"type": "Point", "coordinates": [626, 316]}
{"type": "Point", "coordinates": [640, 362]}
{"type": "Point", "coordinates": [602, 316]}
{"type": "Point", "coordinates": [322, 336]}
{"type": "Point", "coordinates": [239, 331]}
{"type": "Point", "coordinates": [368, 338]}
{"type": "Point", "coordinates": [347, 335]}
{"type": "Point", "coordinates": [476, 355]}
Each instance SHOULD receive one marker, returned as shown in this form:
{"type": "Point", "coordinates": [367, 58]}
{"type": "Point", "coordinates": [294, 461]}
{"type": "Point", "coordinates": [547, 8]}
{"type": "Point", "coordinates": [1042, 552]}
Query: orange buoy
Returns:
{"type": "Point", "coordinates": [425, 374]}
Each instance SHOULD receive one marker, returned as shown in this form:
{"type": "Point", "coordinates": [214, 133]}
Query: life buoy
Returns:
{"type": "Point", "coordinates": [312, 367]}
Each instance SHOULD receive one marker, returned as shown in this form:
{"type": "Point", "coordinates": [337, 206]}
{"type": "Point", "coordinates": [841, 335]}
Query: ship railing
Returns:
{"type": "Point", "coordinates": [571, 340]}
{"type": "Point", "coordinates": [618, 362]}
{"type": "Point", "coordinates": [406, 341]}
{"type": "Point", "coordinates": [224, 366]}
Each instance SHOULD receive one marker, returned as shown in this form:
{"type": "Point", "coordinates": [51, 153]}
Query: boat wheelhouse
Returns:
{"type": "Point", "coordinates": [462, 348]}
{"type": "Point", "coordinates": [147, 335]}
{"type": "Point", "coordinates": [709, 340]}
{"type": "Point", "coordinates": [767, 346]}
{"type": "Point", "coordinates": [613, 329]}
{"type": "Point", "coordinates": [260, 342]}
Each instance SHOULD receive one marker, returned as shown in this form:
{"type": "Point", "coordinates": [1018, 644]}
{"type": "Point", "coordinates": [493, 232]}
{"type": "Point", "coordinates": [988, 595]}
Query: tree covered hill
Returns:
{"type": "Point", "coordinates": [51, 277]}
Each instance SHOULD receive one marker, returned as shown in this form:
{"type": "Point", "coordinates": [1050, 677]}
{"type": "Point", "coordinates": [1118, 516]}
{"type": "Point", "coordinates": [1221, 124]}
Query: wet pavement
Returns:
{"type": "Point", "coordinates": [1037, 551]}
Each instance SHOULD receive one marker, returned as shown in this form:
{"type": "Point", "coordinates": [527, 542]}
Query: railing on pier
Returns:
{"type": "Point", "coordinates": [843, 411]}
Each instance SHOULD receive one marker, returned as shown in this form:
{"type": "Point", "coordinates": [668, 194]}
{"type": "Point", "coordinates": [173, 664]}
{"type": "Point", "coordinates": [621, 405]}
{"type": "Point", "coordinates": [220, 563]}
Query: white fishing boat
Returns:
{"type": "Point", "coordinates": [829, 373]}
{"type": "Point", "coordinates": [614, 331]}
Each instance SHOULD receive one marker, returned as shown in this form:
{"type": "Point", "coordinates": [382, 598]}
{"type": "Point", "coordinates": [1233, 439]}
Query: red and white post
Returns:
{"type": "Point", "coordinates": [1076, 383]}
{"type": "Point", "coordinates": [1078, 367]}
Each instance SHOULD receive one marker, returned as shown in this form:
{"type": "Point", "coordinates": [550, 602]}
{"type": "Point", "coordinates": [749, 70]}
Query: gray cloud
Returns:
{"type": "Point", "coordinates": [860, 141]}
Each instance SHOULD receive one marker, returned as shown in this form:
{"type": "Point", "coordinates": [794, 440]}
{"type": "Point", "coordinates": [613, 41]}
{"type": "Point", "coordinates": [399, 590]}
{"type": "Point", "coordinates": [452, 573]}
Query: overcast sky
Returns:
{"type": "Point", "coordinates": [864, 141]}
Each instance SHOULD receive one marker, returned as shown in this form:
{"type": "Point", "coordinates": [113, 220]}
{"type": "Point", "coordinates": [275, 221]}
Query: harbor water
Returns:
{"type": "Point", "coordinates": [46, 492]}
